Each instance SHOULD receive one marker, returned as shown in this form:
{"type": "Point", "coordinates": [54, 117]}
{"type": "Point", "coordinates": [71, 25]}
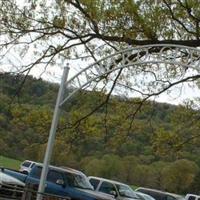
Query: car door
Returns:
{"type": "Point", "coordinates": [33, 179]}
{"type": "Point", "coordinates": [56, 183]}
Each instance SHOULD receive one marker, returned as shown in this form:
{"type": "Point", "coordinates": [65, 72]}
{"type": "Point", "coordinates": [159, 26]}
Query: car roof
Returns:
{"type": "Point", "coordinates": [159, 191]}
{"type": "Point", "coordinates": [108, 180]}
{"type": "Point", "coordinates": [64, 169]}
{"type": "Point", "coordinates": [71, 170]}
{"type": "Point", "coordinates": [28, 161]}
{"type": "Point", "coordinates": [195, 195]}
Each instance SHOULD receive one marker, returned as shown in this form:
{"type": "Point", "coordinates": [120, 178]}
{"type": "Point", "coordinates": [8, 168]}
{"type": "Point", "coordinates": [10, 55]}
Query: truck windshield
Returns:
{"type": "Point", "coordinates": [76, 180]}
{"type": "Point", "coordinates": [126, 191]}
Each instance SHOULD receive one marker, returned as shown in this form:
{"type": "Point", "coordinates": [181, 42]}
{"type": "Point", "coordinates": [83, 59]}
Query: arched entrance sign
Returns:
{"type": "Point", "coordinates": [165, 54]}
{"type": "Point", "coordinates": [186, 57]}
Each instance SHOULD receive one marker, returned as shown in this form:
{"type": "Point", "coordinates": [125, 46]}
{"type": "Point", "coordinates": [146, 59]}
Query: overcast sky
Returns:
{"type": "Point", "coordinates": [12, 62]}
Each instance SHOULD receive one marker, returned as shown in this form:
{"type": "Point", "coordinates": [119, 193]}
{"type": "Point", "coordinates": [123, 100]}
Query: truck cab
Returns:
{"type": "Point", "coordinates": [64, 182]}
{"type": "Point", "coordinates": [26, 166]}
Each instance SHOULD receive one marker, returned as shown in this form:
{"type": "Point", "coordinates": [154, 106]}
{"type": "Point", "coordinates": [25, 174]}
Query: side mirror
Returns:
{"type": "Point", "coordinates": [60, 182]}
{"type": "Point", "coordinates": [114, 193]}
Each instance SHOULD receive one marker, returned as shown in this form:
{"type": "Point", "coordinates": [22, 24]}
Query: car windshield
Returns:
{"type": "Point", "coordinates": [80, 181]}
{"type": "Point", "coordinates": [179, 197]}
{"type": "Point", "coordinates": [26, 164]}
{"type": "Point", "coordinates": [145, 196]}
{"type": "Point", "coordinates": [126, 191]}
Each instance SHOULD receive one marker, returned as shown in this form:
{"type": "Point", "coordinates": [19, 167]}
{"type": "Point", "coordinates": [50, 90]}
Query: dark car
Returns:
{"type": "Point", "coordinates": [160, 195]}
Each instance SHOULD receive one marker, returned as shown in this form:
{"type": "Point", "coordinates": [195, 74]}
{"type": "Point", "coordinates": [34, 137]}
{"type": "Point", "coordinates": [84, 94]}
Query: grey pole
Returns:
{"type": "Point", "coordinates": [52, 134]}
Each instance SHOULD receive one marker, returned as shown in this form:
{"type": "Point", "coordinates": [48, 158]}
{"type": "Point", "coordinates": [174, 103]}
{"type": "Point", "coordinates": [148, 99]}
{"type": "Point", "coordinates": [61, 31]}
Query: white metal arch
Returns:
{"type": "Point", "coordinates": [184, 56]}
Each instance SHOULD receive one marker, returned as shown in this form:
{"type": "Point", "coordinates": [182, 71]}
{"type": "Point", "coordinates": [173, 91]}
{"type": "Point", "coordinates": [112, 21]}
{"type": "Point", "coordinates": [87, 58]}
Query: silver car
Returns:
{"type": "Point", "coordinates": [119, 190]}
{"type": "Point", "coordinates": [145, 196]}
{"type": "Point", "coordinates": [6, 179]}
{"type": "Point", "coordinates": [10, 186]}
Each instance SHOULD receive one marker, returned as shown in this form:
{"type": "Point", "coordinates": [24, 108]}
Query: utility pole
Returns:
{"type": "Point", "coordinates": [52, 134]}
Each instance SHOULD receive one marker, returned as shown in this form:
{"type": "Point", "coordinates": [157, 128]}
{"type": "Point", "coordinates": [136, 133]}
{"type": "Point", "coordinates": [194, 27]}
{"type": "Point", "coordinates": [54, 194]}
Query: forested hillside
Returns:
{"type": "Point", "coordinates": [157, 147]}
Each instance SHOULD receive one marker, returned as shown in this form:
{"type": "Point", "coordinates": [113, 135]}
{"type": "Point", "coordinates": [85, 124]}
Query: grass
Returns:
{"type": "Point", "coordinates": [9, 162]}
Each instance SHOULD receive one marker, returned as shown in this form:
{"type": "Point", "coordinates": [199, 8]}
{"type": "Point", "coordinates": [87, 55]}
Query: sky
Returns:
{"type": "Point", "coordinates": [12, 63]}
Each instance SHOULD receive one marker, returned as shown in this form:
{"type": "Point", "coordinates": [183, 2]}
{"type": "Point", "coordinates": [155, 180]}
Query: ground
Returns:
{"type": "Point", "coordinates": [9, 163]}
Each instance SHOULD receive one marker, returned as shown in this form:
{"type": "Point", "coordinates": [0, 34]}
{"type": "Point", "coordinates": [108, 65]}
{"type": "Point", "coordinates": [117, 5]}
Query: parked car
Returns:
{"type": "Point", "coordinates": [10, 186]}
{"type": "Point", "coordinates": [62, 182]}
{"type": "Point", "coordinates": [192, 197]}
{"type": "Point", "coordinates": [145, 196]}
{"type": "Point", "coordinates": [160, 195]}
{"type": "Point", "coordinates": [26, 166]}
{"type": "Point", "coordinates": [6, 179]}
{"type": "Point", "coordinates": [119, 190]}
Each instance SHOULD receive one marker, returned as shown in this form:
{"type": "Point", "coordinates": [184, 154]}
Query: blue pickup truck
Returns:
{"type": "Point", "coordinates": [62, 182]}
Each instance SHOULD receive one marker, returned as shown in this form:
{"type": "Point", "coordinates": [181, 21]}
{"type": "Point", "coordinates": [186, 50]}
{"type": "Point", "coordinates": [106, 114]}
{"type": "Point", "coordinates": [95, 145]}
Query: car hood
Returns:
{"type": "Point", "coordinates": [98, 195]}
{"type": "Point", "coordinates": [129, 198]}
{"type": "Point", "coordinates": [6, 179]}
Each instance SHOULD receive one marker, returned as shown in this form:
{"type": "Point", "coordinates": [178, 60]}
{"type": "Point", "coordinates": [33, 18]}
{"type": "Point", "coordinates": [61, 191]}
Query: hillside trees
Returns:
{"type": "Point", "coordinates": [118, 154]}
{"type": "Point", "coordinates": [57, 32]}
{"type": "Point", "coordinates": [54, 33]}
{"type": "Point", "coordinates": [177, 172]}
{"type": "Point", "coordinates": [165, 126]}
{"type": "Point", "coordinates": [181, 135]}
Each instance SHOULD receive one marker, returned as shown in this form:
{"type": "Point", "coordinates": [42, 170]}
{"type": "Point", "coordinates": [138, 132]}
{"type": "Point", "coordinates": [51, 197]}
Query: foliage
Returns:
{"type": "Point", "coordinates": [160, 146]}
{"type": "Point", "coordinates": [55, 33]}
{"type": "Point", "coordinates": [178, 172]}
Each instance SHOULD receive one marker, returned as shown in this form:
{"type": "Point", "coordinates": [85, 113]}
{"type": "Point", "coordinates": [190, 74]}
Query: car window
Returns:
{"type": "Point", "coordinates": [155, 195]}
{"type": "Point", "coordinates": [78, 180]}
{"type": "Point", "coordinates": [53, 176]}
{"type": "Point", "coordinates": [191, 198]}
{"type": "Point", "coordinates": [126, 191]}
{"type": "Point", "coordinates": [94, 182]}
{"type": "Point", "coordinates": [107, 187]}
{"type": "Point", "coordinates": [26, 164]}
{"type": "Point", "coordinates": [36, 172]}
{"type": "Point", "coordinates": [171, 198]}
{"type": "Point", "coordinates": [32, 165]}
{"type": "Point", "coordinates": [145, 196]}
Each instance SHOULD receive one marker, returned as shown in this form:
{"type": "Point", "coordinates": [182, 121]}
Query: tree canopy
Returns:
{"type": "Point", "coordinates": [60, 28]}
{"type": "Point", "coordinates": [54, 33]}
{"type": "Point", "coordinates": [159, 150]}
{"type": "Point", "coordinates": [46, 33]}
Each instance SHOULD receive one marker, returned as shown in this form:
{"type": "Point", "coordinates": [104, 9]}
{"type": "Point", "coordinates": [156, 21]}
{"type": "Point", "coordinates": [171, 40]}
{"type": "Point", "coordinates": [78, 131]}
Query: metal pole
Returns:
{"type": "Point", "coordinates": [52, 134]}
